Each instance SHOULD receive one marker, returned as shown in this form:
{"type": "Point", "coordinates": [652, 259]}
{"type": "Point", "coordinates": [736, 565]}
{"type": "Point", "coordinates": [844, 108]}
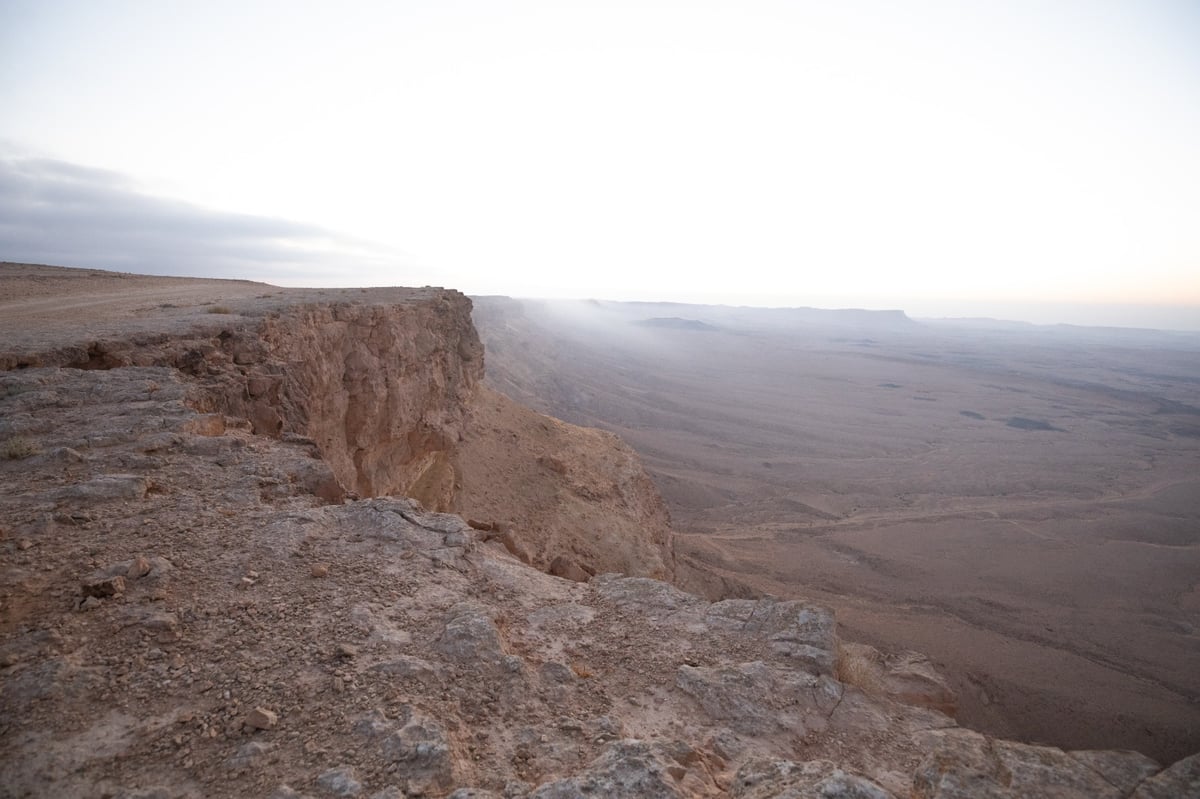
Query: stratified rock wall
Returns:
{"type": "Point", "coordinates": [382, 390]}
{"type": "Point", "coordinates": [392, 397]}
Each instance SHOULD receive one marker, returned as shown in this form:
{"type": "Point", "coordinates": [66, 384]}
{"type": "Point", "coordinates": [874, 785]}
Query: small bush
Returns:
{"type": "Point", "coordinates": [18, 447]}
{"type": "Point", "coordinates": [220, 309]}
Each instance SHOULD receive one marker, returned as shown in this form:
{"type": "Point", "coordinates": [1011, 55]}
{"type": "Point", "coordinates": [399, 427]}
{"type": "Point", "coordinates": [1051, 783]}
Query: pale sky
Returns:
{"type": "Point", "coordinates": [944, 157]}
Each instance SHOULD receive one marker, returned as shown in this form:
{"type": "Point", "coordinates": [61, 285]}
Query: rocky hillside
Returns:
{"type": "Point", "coordinates": [198, 598]}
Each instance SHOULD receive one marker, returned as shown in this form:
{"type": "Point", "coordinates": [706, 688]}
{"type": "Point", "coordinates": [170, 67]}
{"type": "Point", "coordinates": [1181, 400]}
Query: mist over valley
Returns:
{"type": "Point", "coordinates": [1021, 502]}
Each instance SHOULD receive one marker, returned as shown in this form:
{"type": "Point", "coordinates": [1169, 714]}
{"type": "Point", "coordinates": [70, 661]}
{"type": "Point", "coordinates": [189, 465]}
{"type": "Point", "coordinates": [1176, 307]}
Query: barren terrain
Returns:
{"type": "Point", "coordinates": [1021, 503]}
{"type": "Point", "coordinates": [212, 583]}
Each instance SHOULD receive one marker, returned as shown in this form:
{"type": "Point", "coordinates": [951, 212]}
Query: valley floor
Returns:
{"type": "Point", "coordinates": [1023, 505]}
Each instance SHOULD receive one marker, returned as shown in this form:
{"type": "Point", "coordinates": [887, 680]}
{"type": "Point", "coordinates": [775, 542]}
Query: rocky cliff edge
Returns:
{"type": "Point", "coordinates": [386, 383]}
{"type": "Point", "coordinates": [191, 608]}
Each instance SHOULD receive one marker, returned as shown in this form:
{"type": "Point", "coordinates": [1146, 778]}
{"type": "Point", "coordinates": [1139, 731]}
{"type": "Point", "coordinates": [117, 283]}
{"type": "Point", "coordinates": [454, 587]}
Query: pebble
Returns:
{"type": "Point", "coordinates": [320, 570]}
{"type": "Point", "coordinates": [106, 586]}
{"type": "Point", "coordinates": [261, 719]}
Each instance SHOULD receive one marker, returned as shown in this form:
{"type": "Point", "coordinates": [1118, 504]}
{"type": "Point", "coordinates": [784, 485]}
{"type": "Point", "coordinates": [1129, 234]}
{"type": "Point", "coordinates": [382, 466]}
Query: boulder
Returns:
{"type": "Point", "coordinates": [417, 746]}
{"type": "Point", "coordinates": [340, 781]}
{"type": "Point", "coordinates": [470, 637]}
{"type": "Point", "coordinates": [907, 677]}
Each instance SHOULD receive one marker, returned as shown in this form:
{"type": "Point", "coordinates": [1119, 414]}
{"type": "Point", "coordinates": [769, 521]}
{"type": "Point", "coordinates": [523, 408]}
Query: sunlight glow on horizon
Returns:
{"type": "Point", "coordinates": [1015, 153]}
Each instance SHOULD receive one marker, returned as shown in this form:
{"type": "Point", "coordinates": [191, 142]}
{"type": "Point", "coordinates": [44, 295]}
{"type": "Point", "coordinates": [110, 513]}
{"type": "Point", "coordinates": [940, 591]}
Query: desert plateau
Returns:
{"type": "Point", "coordinates": [400, 542]}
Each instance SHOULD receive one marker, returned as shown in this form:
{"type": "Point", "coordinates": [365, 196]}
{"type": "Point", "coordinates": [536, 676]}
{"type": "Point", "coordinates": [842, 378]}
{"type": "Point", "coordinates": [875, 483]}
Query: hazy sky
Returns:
{"type": "Point", "coordinates": [934, 156]}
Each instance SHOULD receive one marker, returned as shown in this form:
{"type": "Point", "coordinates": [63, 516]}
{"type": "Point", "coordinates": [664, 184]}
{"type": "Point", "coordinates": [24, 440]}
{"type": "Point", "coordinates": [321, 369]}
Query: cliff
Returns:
{"type": "Point", "coordinates": [386, 384]}
{"type": "Point", "coordinates": [191, 604]}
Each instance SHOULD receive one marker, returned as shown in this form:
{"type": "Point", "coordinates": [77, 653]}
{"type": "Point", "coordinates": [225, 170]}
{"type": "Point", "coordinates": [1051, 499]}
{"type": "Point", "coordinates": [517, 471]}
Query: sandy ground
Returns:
{"type": "Point", "coordinates": [1023, 506]}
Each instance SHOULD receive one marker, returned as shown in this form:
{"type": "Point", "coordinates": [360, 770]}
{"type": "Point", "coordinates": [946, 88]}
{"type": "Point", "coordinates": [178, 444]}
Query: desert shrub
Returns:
{"type": "Point", "coordinates": [220, 309]}
{"type": "Point", "coordinates": [18, 447]}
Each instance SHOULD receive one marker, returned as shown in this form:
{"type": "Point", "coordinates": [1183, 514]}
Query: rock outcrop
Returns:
{"type": "Point", "coordinates": [907, 677]}
{"type": "Point", "coordinates": [570, 500]}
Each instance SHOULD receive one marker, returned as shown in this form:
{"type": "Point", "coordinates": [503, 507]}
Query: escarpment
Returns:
{"type": "Point", "coordinates": [387, 384]}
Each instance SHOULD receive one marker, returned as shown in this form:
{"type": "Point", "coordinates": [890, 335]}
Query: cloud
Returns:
{"type": "Point", "coordinates": [56, 212]}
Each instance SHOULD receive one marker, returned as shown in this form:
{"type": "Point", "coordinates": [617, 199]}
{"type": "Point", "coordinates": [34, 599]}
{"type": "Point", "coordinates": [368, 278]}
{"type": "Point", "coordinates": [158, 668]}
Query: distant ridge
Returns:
{"type": "Point", "coordinates": [676, 323]}
{"type": "Point", "coordinates": [730, 318]}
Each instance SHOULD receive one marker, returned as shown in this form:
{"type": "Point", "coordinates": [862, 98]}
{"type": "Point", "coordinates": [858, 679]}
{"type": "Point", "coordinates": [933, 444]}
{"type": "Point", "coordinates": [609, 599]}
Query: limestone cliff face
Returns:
{"type": "Point", "coordinates": [382, 390]}
{"type": "Point", "coordinates": [387, 383]}
{"type": "Point", "coordinates": [391, 396]}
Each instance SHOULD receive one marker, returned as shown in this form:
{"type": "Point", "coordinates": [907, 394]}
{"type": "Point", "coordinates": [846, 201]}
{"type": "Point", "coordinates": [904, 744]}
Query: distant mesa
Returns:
{"type": "Point", "coordinates": [676, 323]}
{"type": "Point", "coordinates": [974, 415]}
